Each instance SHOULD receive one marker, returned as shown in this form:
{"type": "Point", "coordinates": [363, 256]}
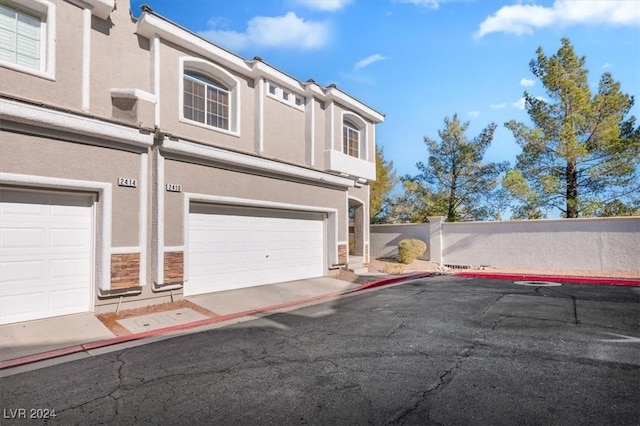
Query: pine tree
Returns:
{"type": "Point", "coordinates": [581, 153]}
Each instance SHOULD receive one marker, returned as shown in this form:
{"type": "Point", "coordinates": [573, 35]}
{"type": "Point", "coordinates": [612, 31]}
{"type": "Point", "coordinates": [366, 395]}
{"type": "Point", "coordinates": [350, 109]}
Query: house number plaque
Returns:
{"type": "Point", "coordinates": [123, 181]}
{"type": "Point", "coordinates": [174, 187]}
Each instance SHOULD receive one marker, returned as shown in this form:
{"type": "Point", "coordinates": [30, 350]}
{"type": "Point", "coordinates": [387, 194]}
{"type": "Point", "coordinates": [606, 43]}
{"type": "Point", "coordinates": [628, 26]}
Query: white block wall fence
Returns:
{"type": "Point", "coordinates": [384, 239]}
{"type": "Point", "coordinates": [607, 244]}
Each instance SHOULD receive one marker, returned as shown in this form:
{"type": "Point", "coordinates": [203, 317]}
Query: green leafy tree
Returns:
{"type": "Point", "coordinates": [581, 151]}
{"type": "Point", "coordinates": [381, 188]}
{"type": "Point", "coordinates": [462, 186]}
{"type": "Point", "coordinates": [617, 208]}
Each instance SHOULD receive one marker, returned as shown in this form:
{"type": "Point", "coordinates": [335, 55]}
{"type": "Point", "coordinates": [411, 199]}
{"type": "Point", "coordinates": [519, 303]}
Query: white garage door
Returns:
{"type": "Point", "coordinates": [235, 248]}
{"type": "Point", "coordinates": [45, 255]}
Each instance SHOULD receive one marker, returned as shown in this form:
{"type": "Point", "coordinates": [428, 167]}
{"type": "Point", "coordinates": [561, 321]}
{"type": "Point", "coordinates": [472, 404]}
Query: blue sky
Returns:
{"type": "Point", "coordinates": [418, 61]}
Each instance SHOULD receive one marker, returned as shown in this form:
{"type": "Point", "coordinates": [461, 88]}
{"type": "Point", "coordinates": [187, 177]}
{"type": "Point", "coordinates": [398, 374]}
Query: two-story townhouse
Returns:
{"type": "Point", "coordinates": [140, 160]}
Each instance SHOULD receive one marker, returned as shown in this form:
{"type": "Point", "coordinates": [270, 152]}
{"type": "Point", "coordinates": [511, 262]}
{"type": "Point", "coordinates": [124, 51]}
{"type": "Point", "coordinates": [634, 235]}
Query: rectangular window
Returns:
{"type": "Point", "coordinates": [350, 141]}
{"type": "Point", "coordinates": [21, 38]}
{"type": "Point", "coordinates": [205, 102]}
{"type": "Point", "coordinates": [272, 89]}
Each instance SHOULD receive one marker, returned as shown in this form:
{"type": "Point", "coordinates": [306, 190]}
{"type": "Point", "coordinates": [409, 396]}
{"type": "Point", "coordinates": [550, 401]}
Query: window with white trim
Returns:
{"type": "Point", "coordinates": [350, 139]}
{"type": "Point", "coordinates": [285, 96]}
{"type": "Point", "coordinates": [23, 36]}
{"type": "Point", "coordinates": [205, 100]}
{"type": "Point", "coordinates": [209, 96]}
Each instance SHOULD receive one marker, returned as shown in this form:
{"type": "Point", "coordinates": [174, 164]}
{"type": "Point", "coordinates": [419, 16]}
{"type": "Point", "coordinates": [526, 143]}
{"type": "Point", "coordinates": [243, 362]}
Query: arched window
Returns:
{"type": "Point", "coordinates": [205, 100]}
{"type": "Point", "coordinates": [210, 95]}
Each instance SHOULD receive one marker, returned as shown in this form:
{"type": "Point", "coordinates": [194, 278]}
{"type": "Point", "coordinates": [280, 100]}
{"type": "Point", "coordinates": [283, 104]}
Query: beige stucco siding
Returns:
{"type": "Point", "coordinates": [65, 91]}
{"type": "Point", "coordinates": [119, 60]}
{"type": "Point", "coordinates": [170, 80]}
{"type": "Point", "coordinates": [284, 132]}
{"type": "Point", "coordinates": [213, 181]}
{"type": "Point", "coordinates": [37, 156]}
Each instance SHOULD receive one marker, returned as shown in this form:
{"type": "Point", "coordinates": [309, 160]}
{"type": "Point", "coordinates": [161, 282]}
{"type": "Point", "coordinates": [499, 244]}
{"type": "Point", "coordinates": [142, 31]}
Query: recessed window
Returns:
{"type": "Point", "coordinates": [285, 96]}
{"type": "Point", "coordinates": [205, 101]}
{"type": "Point", "coordinates": [26, 37]}
{"type": "Point", "coordinates": [350, 139]}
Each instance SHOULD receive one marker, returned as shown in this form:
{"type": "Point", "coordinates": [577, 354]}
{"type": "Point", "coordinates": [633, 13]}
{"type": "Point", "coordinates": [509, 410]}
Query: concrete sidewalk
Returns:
{"type": "Point", "coordinates": [32, 341]}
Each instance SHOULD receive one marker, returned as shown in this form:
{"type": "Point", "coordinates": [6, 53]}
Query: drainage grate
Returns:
{"type": "Point", "coordinates": [458, 266]}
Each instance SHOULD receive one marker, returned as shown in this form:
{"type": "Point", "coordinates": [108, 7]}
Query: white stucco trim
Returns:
{"type": "Point", "coordinates": [133, 94]}
{"type": "Point", "coordinates": [259, 91]}
{"type": "Point", "coordinates": [159, 231]}
{"type": "Point", "coordinates": [310, 131]}
{"type": "Point", "coordinates": [155, 75]}
{"type": "Point", "coordinates": [100, 8]}
{"type": "Point", "coordinates": [336, 94]}
{"type": "Point", "coordinates": [150, 26]}
{"type": "Point", "coordinates": [86, 59]}
{"type": "Point", "coordinates": [43, 117]}
{"type": "Point", "coordinates": [331, 245]}
{"type": "Point", "coordinates": [330, 125]}
{"type": "Point", "coordinates": [256, 163]}
{"type": "Point", "coordinates": [143, 217]}
{"type": "Point", "coordinates": [339, 162]}
{"type": "Point", "coordinates": [103, 263]}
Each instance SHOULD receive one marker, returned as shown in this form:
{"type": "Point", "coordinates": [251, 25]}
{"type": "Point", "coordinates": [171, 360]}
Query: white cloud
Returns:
{"type": "Point", "coordinates": [431, 4]}
{"type": "Point", "coordinates": [607, 65]}
{"type": "Point", "coordinates": [519, 104]}
{"type": "Point", "coordinates": [368, 61]}
{"type": "Point", "coordinates": [473, 114]}
{"type": "Point", "coordinates": [527, 82]}
{"type": "Point", "coordinates": [288, 31]}
{"type": "Point", "coordinates": [498, 106]}
{"type": "Point", "coordinates": [324, 5]}
{"type": "Point", "coordinates": [521, 19]}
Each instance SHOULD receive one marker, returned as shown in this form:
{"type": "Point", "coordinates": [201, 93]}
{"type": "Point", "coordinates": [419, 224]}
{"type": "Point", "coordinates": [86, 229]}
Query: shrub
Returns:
{"type": "Point", "coordinates": [410, 249]}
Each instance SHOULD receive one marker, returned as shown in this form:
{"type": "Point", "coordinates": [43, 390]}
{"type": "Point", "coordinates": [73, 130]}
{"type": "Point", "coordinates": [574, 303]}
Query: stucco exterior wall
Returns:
{"type": "Point", "coordinates": [65, 91]}
{"type": "Point", "coordinates": [284, 132]}
{"type": "Point", "coordinates": [385, 238]}
{"type": "Point", "coordinates": [215, 181]}
{"type": "Point", "coordinates": [38, 156]}
{"type": "Point", "coordinates": [583, 244]}
{"type": "Point", "coordinates": [119, 60]}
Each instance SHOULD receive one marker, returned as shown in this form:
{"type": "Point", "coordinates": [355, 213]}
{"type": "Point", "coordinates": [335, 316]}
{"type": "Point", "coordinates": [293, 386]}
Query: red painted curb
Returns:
{"type": "Point", "coordinates": [139, 336]}
{"type": "Point", "coordinates": [557, 278]}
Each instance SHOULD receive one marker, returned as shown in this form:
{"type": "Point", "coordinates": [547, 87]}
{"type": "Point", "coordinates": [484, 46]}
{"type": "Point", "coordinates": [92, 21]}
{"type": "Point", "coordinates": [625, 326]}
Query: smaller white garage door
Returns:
{"type": "Point", "coordinates": [235, 248]}
{"type": "Point", "coordinates": [45, 255]}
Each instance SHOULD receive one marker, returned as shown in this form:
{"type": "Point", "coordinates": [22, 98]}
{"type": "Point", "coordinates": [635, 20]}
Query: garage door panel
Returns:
{"type": "Point", "coordinates": [45, 259]}
{"type": "Point", "coordinates": [21, 238]}
{"type": "Point", "coordinates": [252, 247]}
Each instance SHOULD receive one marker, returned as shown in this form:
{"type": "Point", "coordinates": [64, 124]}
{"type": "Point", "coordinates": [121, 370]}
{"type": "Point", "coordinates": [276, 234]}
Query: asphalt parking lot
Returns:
{"type": "Point", "coordinates": [441, 350]}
